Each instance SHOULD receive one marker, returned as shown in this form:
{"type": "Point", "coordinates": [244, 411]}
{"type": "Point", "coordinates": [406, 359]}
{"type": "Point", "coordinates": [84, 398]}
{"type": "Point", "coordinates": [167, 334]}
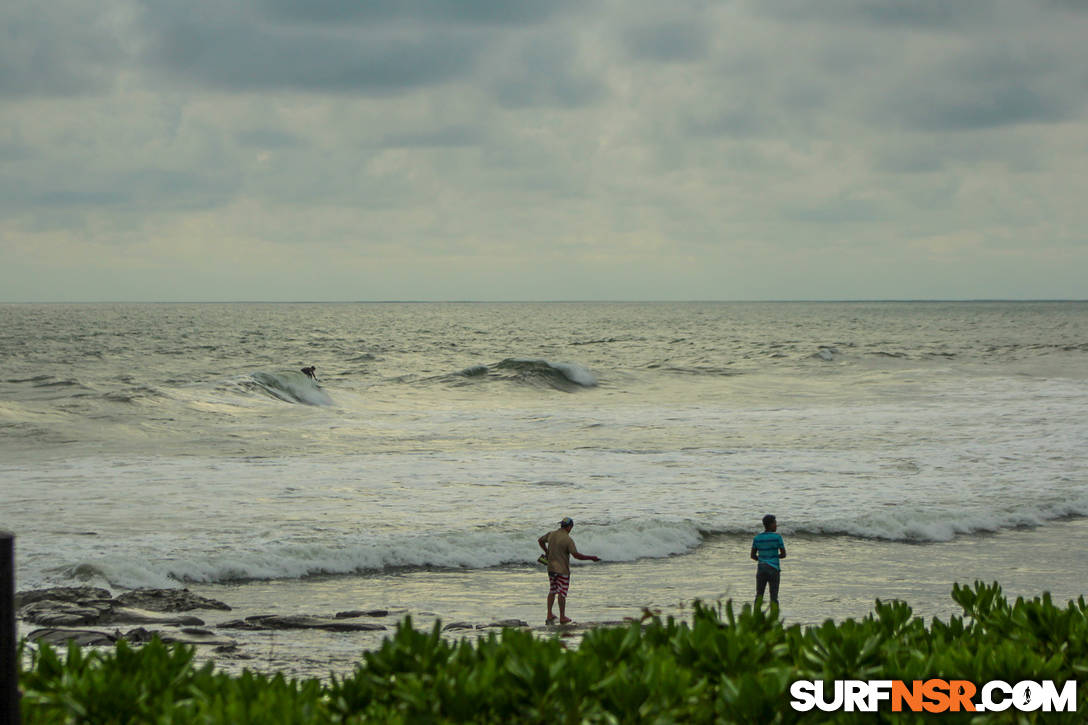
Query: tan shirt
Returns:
{"type": "Point", "coordinates": [560, 547]}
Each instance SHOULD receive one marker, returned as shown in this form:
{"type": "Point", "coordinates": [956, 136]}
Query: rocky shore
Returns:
{"type": "Point", "coordinates": [91, 616]}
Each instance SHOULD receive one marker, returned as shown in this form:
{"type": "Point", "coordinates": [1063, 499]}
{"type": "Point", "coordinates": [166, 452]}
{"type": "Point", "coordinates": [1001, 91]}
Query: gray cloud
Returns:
{"type": "Point", "coordinates": [446, 136]}
{"type": "Point", "coordinates": [668, 41]}
{"type": "Point", "coordinates": [837, 211]}
{"type": "Point", "coordinates": [10, 152]}
{"type": "Point", "coordinates": [547, 71]}
{"type": "Point", "coordinates": [514, 137]}
{"type": "Point", "coordinates": [234, 54]}
{"type": "Point", "coordinates": [924, 14]}
{"type": "Point", "coordinates": [268, 138]}
{"type": "Point", "coordinates": [131, 190]}
{"type": "Point", "coordinates": [1071, 5]}
{"type": "Point", "coordinates": [741, 120]}
{"type": "Point", "coordinates": [58, 48]}
{"type": "Point", "coordinates": [987, 88]}
{"type": "Point", "coordinates": [967, 108]}
{"type": "Point", "coordinates": [339, 46]}
{"type": "Point", "coordinates": [431, 12]}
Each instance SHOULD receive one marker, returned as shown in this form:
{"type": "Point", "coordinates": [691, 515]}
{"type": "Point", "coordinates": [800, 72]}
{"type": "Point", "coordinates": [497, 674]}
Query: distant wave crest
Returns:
{"type": "Point", "coordinates": [564, 376]}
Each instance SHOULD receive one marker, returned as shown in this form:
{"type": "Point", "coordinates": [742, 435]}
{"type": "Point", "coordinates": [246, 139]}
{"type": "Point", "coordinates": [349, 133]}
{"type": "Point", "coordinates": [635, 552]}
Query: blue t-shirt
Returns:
{"type": "Point", "coordinates": [767, 545]}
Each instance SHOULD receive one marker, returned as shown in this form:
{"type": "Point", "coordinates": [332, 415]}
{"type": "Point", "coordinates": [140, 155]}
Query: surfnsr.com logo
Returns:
{"type": "Point", "coordinates": [932, 695]}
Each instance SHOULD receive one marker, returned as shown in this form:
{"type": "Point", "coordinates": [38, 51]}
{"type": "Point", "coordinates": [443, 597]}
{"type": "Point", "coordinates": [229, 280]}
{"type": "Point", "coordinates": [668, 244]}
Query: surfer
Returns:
{"type": "Point", "coordinates": [767, 549]}
{"type": "Point", "coordinates": [310, 372]}
{"type": "Point", "coordinates": [559, 548]}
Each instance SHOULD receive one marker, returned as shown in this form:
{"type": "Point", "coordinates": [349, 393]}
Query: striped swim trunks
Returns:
{"type": "Point", "coordinates": [558, 583]}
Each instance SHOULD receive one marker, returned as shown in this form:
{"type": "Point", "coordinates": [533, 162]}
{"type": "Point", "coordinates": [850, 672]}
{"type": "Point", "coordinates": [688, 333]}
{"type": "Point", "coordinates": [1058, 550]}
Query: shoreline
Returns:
{"type": "Point", "coordinates": [823, 578]}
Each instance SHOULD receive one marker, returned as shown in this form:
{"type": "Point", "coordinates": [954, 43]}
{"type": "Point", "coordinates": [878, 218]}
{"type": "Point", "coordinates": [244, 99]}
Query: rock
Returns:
{"type": "Point", "coordinates": [61, 594]}
{"type": "Point", "coordinates": [504, 623]}
{"type": "Point", "coordinates": [241, 624]}
{"type": "Point", "coordinates": [82, 637]}
{"type": "Point", "coordinates": [187, 635]}
{"type": "Point", "coordinates": [459, 625]}
{"type": "Point", "coordinates": [168, 600]}
{"type": "Point", "coordinates": [139, 636]}
{"type": "Point", "coordinates": [301, 621]}
{"type": "Point", "coordinates": [68, 606]}
{"type": "Point", "coordinates": [61, 613]}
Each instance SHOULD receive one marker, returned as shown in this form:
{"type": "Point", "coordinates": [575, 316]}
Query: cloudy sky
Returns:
{"type": "Point", "coordinates": [559, 149]}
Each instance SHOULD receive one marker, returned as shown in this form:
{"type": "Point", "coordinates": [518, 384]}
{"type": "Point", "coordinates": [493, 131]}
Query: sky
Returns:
{"type": "Point", "coordinates": [283, 150]}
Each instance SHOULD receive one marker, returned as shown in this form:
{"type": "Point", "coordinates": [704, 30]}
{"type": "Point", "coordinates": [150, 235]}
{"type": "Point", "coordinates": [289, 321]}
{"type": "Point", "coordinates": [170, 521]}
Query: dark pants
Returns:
{"type": "Point", "coordinates": [767, 574]}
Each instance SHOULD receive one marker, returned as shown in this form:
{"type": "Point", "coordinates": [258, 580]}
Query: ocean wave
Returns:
{"type": "Point", "coordinates": [826, 353]}
{"type": "Point", "coordinates": [564, 376]}
{"type": "Point", "coordinates": [626, 541]}
{"type": "Point", "coordinates": [289, 386]}
{"type": "Point", "coordinates": [622, 541]}
{"type": "Point", "coordinates": [560, 375]}
{"type": "Point", "coordinates": [914, 525]}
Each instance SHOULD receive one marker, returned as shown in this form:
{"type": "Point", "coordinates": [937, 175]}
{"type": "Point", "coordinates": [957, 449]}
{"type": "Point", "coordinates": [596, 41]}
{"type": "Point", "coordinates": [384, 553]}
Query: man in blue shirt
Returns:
{"type": "Point", "coordinates": [767, 549]}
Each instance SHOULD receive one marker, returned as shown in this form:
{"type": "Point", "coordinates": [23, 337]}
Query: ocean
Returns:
{"type": "Point", "coordinates": [903, 446]}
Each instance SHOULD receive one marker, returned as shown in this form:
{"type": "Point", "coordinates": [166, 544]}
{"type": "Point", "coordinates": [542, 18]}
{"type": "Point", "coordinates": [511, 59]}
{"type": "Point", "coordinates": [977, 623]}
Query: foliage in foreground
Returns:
{"type": "Point", "coordinates": [723, 666]}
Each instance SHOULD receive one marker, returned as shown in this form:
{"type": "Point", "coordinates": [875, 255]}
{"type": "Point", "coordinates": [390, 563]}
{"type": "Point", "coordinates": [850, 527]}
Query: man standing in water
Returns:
{"type": "Point", "coordinates": [559, 548]}
{"type": "Point", "coordinates": [767, 549]}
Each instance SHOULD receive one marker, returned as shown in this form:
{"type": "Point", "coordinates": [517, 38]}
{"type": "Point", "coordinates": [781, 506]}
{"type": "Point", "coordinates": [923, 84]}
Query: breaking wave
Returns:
{"type": "Point", "coordinates": [627, 541]}
{"type": "Point", "coordinates": [826, 353]}
{"type": "Point", "coordinates": [567, 377]}
{"type": "Point", "coordinates": [289, 386]}
{"type": "Point", "coordinates": [623, 541]}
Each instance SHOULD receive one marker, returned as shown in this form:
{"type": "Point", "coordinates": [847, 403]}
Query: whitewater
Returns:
{"type": "Point", "coordinates": [171, 445]}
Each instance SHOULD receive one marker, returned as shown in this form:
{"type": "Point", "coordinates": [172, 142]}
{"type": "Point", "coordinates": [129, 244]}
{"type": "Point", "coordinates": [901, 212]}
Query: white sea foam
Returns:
{"type": "Point", "coordinates": [260, 558]}
{"type": "Point", "coordinates": [576, 373]}
{"type": "Point", "coordinates": [628, 541]}
{"type": "Point", "coordinates": [943, 523]}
